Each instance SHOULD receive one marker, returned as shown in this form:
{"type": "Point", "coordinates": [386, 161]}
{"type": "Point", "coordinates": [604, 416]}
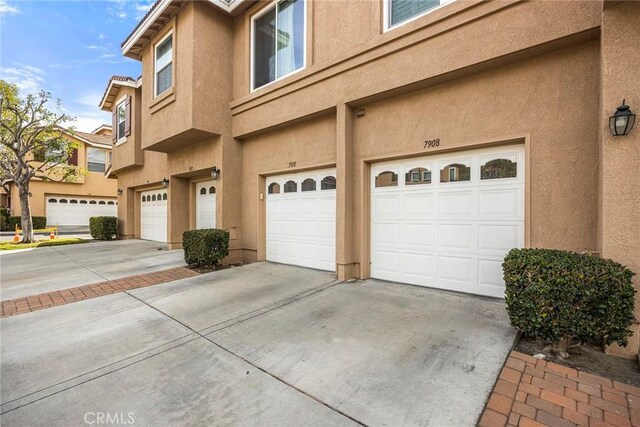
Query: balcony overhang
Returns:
{"type": "Point", "coordinates": [156, 18]}
{"type": "Point", "coordinates": [180, 140]}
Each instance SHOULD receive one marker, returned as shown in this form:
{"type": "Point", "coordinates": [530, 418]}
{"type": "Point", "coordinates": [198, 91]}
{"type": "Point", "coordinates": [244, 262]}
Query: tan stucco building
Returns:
{"type": "Point", "coordinates": [410, 143]}
{"type": "Point", "coordinates": [90, 194]}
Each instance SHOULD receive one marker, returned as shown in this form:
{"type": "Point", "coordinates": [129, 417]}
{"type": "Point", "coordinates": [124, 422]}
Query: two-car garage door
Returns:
{"type": "Point", "coordinates": [446, 221]}
{"type": "Point", "coordinates": [71, 210]}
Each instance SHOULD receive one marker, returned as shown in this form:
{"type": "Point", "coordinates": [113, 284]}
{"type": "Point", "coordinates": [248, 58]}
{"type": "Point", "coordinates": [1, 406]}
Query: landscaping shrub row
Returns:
{"type": "Point", "coordinates": [205, 247]}
{"type": "Point", "coordinates": [103, 227]}
{"type": "Point", "coordinates": [9, 222]}
{"type": "Point", "coordinates": [561, 296]}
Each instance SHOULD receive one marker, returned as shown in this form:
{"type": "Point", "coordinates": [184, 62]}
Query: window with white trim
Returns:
{"type": "Point", "coordinates": [163, 65]}
{"type": "Point", "coordinates": [277, 42]}
{"type": "Point", "coordinates": [120, 117]}
{"type": "Point", "coordinates": [400, 11]}
{"type": "Point", "coordinates": [96, 159]}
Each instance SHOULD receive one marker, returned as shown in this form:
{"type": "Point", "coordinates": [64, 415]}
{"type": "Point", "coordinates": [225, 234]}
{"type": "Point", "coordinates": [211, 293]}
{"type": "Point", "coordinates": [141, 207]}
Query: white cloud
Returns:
{"type": "Point", "coordinates": [29, 79]}
{"type": "Point", "coordinates": [101, 37]}
{"type": "Point", "coordinates": [7, 9]}
{"type": "Point", "coordinates": [92, 47]}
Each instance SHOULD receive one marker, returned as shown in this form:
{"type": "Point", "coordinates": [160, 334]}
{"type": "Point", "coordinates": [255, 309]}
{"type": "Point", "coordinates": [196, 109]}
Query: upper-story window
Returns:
{"type": "Point", "coordinates": [163, 65]}
{"type": "Point", "coordinates": [277, 41]}
{"type": "Point", "coordinates": [96, 159]}
{"type": "Point", "coordinates": [400, 11]}
{"type": "Point", "coordinates": [120, 116]}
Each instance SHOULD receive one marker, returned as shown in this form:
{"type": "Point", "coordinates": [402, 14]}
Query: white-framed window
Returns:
{"type": "Point", "coordinates": [96, 159]}
{"type": "Point", "coordinates": [398, 12]}
{"type": "Point", "coordinates": [278, 35]}
{"type": "Point", "coordinates": [120, 119]}
{"type": "Point", "coordinates": [163, 67]}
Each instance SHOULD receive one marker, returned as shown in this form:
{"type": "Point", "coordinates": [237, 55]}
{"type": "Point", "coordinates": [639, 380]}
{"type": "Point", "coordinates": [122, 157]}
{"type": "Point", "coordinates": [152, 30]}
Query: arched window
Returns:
{"type": "Point", "coordinates": [328, 183]}
{"type": "Point", "coordinates": [153, 198]}
{"type": "Point", "coordinates": [455, 172]}
{"type": "Point", "coordinates": [101, 202]}
{"type": "Point", "coordinates": [203, 191]}
{"type": "Point", "coordinates": [93, 202]}
{"type": "Point", "coordinates": [164, 196]}
{"type": "Point", "coordinates": [63, 200]}
{"type": "Point", "coordinates": [308, 184]}
{"type": "Point", "coordinates": [159, 196]}
{"type": "Point", "coordinates": [418, 176]}
{"type": "Point", "coordinates": [110, 203]}
{"type": "Point", "coordinates": [53, 201]}
{"type": "Point", "coordinates": [274, 188]}
{"type": "Point", "coordinates": [83, 202]}
{"type": "Point", "coordinates": [212, 190]}
{"type": "Point", "coordinates": [290, 187]}
{"type": "Point", "coordinates": [74, 201]}
{"type": "Point", "coordinates": [387, 179]}
{"type": "Point", "coordinates": [498, 169]}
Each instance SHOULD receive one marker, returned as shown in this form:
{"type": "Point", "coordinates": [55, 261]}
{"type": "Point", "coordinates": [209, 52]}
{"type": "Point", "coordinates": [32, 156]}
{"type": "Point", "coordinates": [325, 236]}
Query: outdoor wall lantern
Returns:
{"type": "Point", "coordinates": [165, 183]}
{"type": "Point", "coordinates": [215, 173]}
{"type": "Point", "coordinates": [622, 121]}
{"type": "Point", "coordinates": [119, 191]}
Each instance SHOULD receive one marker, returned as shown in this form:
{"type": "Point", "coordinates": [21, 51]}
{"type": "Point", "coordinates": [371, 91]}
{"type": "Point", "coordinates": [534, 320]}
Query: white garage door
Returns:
{"type": "Point", "coordinates": [205, 205]}
{"type": "Point", "coordinates": [153, 215]}
{"type": "Point", "coordinates": [446, 221]}
{"type": "Point", "coordinates": [301, 219]}
{"type": "Point", "coordinates": [70, 210]}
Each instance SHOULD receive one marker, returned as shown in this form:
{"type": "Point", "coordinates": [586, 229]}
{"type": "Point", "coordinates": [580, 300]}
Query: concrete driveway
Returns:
{"type": "Point", "coordinates": [34, 271]}
{"type": "Point", "coordinates": [263, 344]}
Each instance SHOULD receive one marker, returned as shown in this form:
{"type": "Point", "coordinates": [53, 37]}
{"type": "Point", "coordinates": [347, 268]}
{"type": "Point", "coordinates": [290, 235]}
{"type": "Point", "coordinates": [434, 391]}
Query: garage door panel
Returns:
{"type": "Point", "coordinates": [72, 210]}
{"type": "Point", "coordinates": [153, 215]}
{"type": "Point", "coordinates": [453, 231]}
{"type": "Point", "coordinates": [419, 234]}
{"type": "Point", "coordinates": [504, 203]}
{"type": "Point", "coordinates": [501, 238]}
{"type": "Point", "coordinates": [301, 225]}
{"type": "Point", "coordinates": [455, 204]}
{"type": "Point", "coordinates": [455, 236]}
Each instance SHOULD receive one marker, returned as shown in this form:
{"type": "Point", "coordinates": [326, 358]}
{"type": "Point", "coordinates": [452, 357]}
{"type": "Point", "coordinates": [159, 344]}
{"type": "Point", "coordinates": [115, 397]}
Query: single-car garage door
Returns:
{"type": "Point", "coordinates": [446, 221]}
{"type": "Point", "coordinates": [153, 215]}
{"type": "Point", "coordinates": [301, 219]}
{"type": "Point", "coordinates": [71, 210]}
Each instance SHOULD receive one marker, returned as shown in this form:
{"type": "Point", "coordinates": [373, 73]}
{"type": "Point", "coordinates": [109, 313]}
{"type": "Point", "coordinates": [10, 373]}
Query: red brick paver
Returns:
{"type": "Point", "coordinates": [548, 394]}
{"type": "Point", "coordinates": [66, 296]}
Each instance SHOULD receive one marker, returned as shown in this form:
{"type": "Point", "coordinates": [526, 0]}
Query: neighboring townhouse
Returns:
{"type": "Point", "coordinates": [413, 141]}
{"type": "Point", "coordinates": [91, 194]}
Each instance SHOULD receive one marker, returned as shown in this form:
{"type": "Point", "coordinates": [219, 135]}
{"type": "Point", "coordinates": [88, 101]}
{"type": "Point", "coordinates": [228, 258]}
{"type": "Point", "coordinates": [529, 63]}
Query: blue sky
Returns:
{"type": "Point", "coordinates": [69, 48]}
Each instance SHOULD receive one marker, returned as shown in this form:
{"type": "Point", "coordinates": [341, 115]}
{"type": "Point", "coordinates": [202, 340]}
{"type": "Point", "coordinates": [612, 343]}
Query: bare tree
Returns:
{"type": "Point", "coordinates": [33, 144]}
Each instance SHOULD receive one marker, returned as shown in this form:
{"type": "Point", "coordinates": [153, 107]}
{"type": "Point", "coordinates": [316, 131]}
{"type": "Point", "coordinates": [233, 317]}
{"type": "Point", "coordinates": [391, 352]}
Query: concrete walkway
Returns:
{"type": "Point", "coordinates": [42, 270]}
{"type": "Point", "coordinates": [262, 344]}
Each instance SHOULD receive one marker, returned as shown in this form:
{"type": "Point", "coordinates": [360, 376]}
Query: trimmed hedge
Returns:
{"type": "Point", "coordinates": [103, 227]}
{"type": "Point", "coordinates": [39, 222]}
{"type": "Point", "coordinates": [4, 219]}
{"type": "Point", "coordinates": [560, 296]}
{"type": "Point", "coordinates": [205, 247]}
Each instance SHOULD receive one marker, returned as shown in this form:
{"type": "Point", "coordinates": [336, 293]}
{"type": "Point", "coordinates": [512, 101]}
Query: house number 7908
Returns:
{"type": "Point", "coordinates": [432, 143]}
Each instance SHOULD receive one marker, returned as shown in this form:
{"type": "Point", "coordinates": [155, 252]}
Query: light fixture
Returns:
{"type": "Point", "coordinates": [119, 191]}
{"type": "Point", "coordinates": [622, 121]}
{"type": "Point", "coordinates": [215, 173]}
{"type": "Point", "coordinates": [165, 183]}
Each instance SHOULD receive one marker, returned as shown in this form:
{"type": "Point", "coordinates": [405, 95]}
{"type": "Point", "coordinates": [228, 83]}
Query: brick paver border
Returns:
{"type": "Point", "coordinates": [532, 392]}
{"type": "Point", "coordinates": [66, 296]}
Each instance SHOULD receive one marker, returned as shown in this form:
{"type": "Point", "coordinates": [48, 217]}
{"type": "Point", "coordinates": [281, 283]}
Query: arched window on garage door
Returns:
{"type": "Point", "coordinates": [328, 183]}
{"type": "Point", "coordinates": [83, 202]}
{"type": "Point", "coordinates": [93, 202]}
{"type": "Point", "coordinates": [74, 201]}
{"type": "Point", "coordinates": [203, 191]}
{"type": "Point", "coordinates": [63, 200]}
{"type": "Point", "coordinates": [290, 187]}
{"type": "Point", "coordinates": [274, 188]}
{"type": "Point", "coordinates": [309, 184]}
{"type": "Point", "coordinates": [53, 201]}
{"type": "Point", "coordinates": [110, 203]}
{"type": "Point", "coordinates": [164, 196]}
{"type": "Point", "coordinates": [387, 179]}
{"type": "Point", "coordinates": [212, 190]}
{"type": "Point", "coordinates": [101, 202]}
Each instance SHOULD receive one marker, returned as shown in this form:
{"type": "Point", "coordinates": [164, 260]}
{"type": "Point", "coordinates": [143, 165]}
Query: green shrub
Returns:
{"type": "Point", "coordinates": [39, 222]}
{"type": "Point", "coordinates": [205, 247]}
{"type": "Point", "coordinates": [4, 220]}
{"type": "Point", "coordinates": [560, 296]}
{"type": "Point", "coordinates": [103, 227]}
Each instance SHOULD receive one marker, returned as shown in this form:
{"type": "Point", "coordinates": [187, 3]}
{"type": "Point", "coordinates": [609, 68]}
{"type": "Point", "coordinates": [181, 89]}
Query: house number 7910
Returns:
{"type": "Point", "coordinates": [432, 143]}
